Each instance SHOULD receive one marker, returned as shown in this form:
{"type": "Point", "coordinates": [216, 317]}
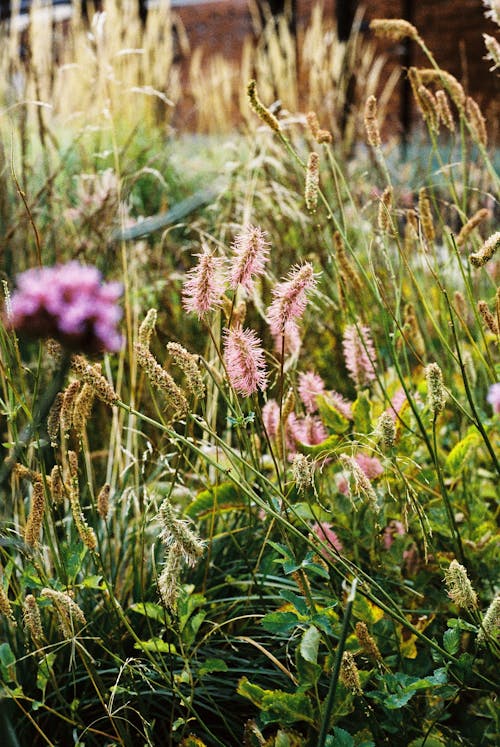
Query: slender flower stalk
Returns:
{"type": "Point", "coordinates": [32, 620]}
{"type": "Point", "coordinates": [371, 124]}
{"type": "Point", "coordinates": [436, 393]}
{"type": "Point", "coordinates": [69, 614]}
{"type": "Point", "coordinates": [245, 361]}
{"type": "Point", "coordinates": [470, 225]}
{"type": "Point", "coordinates": [161, 379]}
{"type": "Point", "coordinates": [264, 114]}
{"type": "Point", "coordinates": [250, 254]}
{"type": "Point", "coordinates": [487, 251]}
{"type": "Point", "coordinates": [490, 626]}
{"type": "Point", "coordinates": [290, 298]}
{"type": "Point", "coordinates": [312, 182]}
{"type": "Point", "coordinates": [188, 363]}
{"type": "Point", "coordinates": [35, 518]}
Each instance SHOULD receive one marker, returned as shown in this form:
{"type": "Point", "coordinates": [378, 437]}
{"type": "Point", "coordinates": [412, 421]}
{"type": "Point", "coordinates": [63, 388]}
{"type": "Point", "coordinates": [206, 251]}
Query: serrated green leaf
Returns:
{"type": "Point", "coordinates": [299, 603]}
{"type": "Point", "coordinates": [150, 610]}
{"type": "Point", "coordinates": [279, 622]}
{"type": "Point", "coordinates": [362, 413]}
{"type": "Point", "coordinates": [286, 708]}
{"type": "Point", "coordinates": [212, 665]}
{"type": "Point", "coordinates": [217, 499]}
{"type": "Point", "coordinates": [155, 644]}
{"type": "Point", "coordinates": [309, 644]}
{"type": "Point", "coordinates": [341, 738]}
{"type": "Point", "coordinates": [252, 692]}
{"type": "Point", "coordinates": [458, 456]}
{"type": "Point", "coordinates": [451, 640]}
{"type": "Point", "coordinates": [331, 416]}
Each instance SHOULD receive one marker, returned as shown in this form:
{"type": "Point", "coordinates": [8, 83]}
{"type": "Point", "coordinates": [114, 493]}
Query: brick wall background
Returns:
{"type": "Point", "coordinates": [452, 29]}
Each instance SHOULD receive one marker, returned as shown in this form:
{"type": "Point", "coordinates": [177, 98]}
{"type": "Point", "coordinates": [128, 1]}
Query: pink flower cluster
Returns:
{"type": "Point", "coordinates": [359, 353]}
{"type": "Point", "coordinates": [494, 397]}
{"type": "Point", "coordinates": [69, 303]}
{"type": "Point", "coordinates": [325, 533]}
{"type": "Point", "coordinates": [245, 363]}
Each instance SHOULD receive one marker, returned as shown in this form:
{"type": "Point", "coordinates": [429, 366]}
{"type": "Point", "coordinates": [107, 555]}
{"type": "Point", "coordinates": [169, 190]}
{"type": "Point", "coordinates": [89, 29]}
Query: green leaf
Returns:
{"type": "Point", "coordinates": [252, 692]}
{"type": "Point", "coordinates": [324, 449]}
{"type": "Point", "coordinates": [44, 672]}
{"type": "Point", "coordinates": [7, 663]}
{"type": "Point", "coordinates": [299, 603]}
{"type": "Point", "coordinates": [286, 708]}
{"type": "Point", "coordinates": [150, 610]}
{"type": "Point", "coordinates": [217, 499]}
{"type": "Point", "coordinates": [276, 705]}
{"type": "Point", "coordinates": [341, 738]}
{"type": "Point", "coordinates": [330, 416]}
{"type": "Point", "coordinates": [212, 665]}
{"type": "Point", "coordinates": [458, 456]}
{"type": "Point", "coordinates": [155, 645]}
{"type": "Point", "coordinates": [362, 413]}
{"type": "Point", "coordinates": [309, 644]}
{"type": "Point", "coordinates": [279, 622]}
{"type": "Point", "coordinates": [451, 640]}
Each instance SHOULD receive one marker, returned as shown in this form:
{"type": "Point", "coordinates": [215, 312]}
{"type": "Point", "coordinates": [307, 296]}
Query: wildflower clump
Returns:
{"type": "Point", "coordinates": [70, 304]}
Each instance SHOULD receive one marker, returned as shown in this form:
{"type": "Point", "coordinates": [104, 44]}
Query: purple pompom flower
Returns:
{"type": "Point", "coordinates": [245, 361]}
{"type": "Point", "coordinates": [69, 303]}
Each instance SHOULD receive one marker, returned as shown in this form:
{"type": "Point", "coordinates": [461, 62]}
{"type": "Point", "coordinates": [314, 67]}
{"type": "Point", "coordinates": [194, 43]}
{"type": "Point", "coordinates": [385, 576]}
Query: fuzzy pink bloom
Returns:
{"type": "Point", "coordinates": [340, 403]}
{"type": "Point", "coordinates": [359, 354]}
{"type": "Point", "coordinates": [325, 533]}
{"type": "Point", "coordinates": [310, 387]}
{"type": "Point", "coordinates": [250, 256]}
{"type": "Point", "coordinates": [290, 298]}
{"type": "Point", "coordinates": [371, 466]}
{"type": "Point", "coordinates": [271, 417]}
{"type": "Point", "coordinates": [205, 283]}
{"type": "Point", "coordinates": [245, 362]}
{"type": "Point", "coordinates": [397, 402]}
{"type": "Point", "coordinates": [394, 527]}
{"type": "Point", "coordinates": [290, 341]}
{"type": "Point", "coordinates": [342, 483]}
{"type": "Point", "coordinates": [494, 397]}
{"type": "Point", "coordinates": [308, 430]}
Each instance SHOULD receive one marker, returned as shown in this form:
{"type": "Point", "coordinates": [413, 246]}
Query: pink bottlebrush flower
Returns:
{"type": "Point", "coordinates": [271, 417]}
{"type": "Point", "coordinates": [289, 342]}
{"type": "Point", "coordinates": [394, 527]}
{"type": "Point", "coordinates": [342, 483]}
{"type": "Point", "coordinates": [340, 403]}
{"type": "Point", "coordinates": [308, 430]}
{"type": "Point", "coordinates": [290, 298]}
{"type": "Point", "coordinates": [204, 286]}
{"type": "Point", "coordinates": [359, 354]}
{"type": "Point", "coordinates": [325, 533]}
{"type": "Point", "coordinates": [494, 397]}
{"type": "Point", "coordinates": [310, 387]}
{"type": "Point", "coordinates": [371, 466]}
{"type": "Point", "coordinates": [69, 303]}
{"type": "Point", "coordinates": [250, 256]}
{"type": "Point", "coordinates": [397, 402]}
{"type": "Point", "coordinates": [245, 362]}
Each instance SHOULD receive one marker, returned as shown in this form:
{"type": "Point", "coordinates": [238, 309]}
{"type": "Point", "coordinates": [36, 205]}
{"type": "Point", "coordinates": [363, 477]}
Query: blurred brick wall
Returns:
{"type": "Point", "coordinates": [452, 29]}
